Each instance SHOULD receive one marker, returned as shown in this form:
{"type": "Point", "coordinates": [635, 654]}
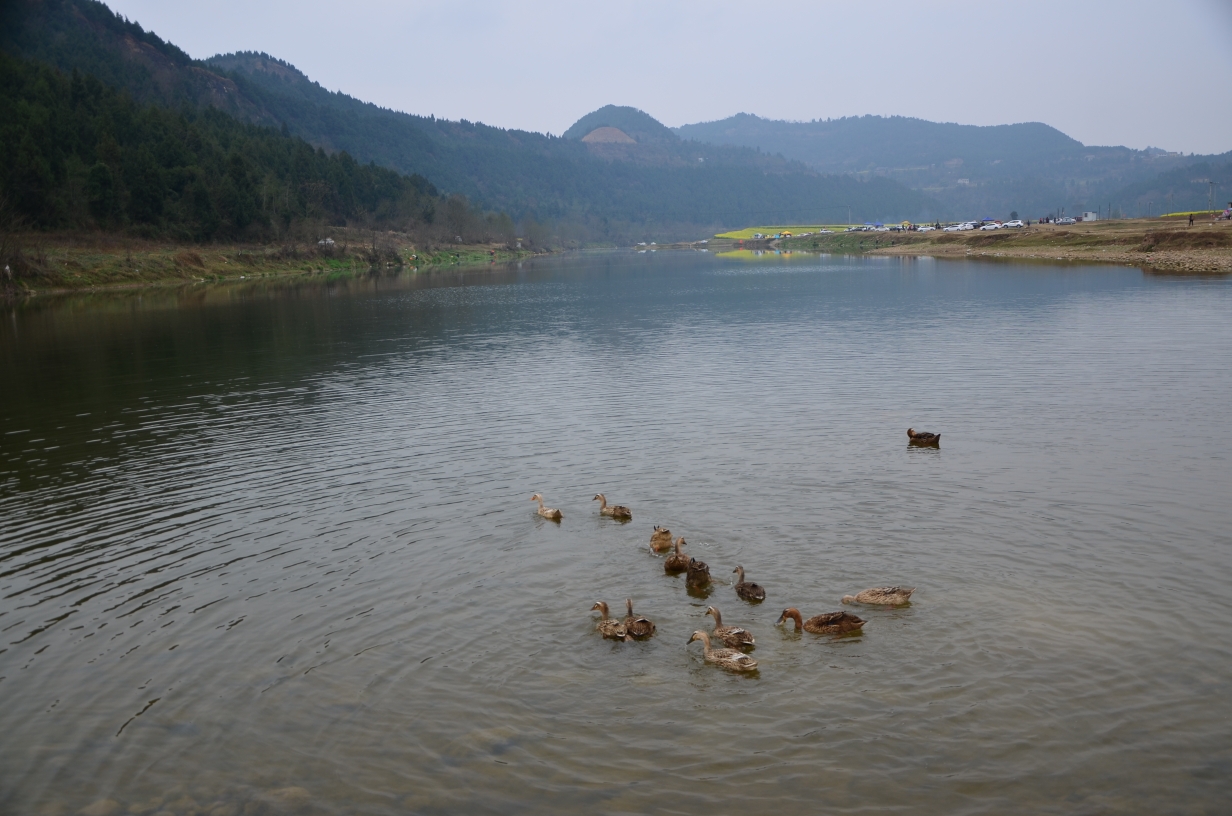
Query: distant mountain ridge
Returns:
{"type": "Point", "coordinates": [659, 186]}
{"type": "Point", "coordinates": [641, 126]}
{"type": "Point", "coordinates": [863, 143]}
{"type": "Point", "coordinates": [653, 181]}
{"type": "Point", "coordinates": [970, 169]}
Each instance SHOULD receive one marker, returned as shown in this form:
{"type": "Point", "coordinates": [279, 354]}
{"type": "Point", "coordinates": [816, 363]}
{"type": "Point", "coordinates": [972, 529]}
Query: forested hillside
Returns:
{"type": "Point", "coordinates": [673, 188]}
{"type": "Point", "coordinates": [89, 37]}
{"type": "Point", "coordinates": [660, 186]}
{"type": "Point", "coordinates": [76, 153]}
{"type": "Point", "coordinates": [1185, 189]}
{"type": "Point", "coordinates": [969, 170]}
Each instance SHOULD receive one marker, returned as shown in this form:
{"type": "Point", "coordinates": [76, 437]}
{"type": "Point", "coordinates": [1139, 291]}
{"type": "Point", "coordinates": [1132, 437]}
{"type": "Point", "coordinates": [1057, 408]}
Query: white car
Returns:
{"type": "Point", "coordinates": [1066, 220]}
{"type": "Point", "coordinates": [924, 229]}
{"type": "Point", "coordinates": [825, 232]}
{"type": "Point", "coordinates": [1016, 223]}
{"type": "Point", "coordinates": [991, 225]}
{"type": "Point", "coordinates": [953, 228]}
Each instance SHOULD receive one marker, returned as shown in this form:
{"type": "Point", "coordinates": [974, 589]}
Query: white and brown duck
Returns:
{"type": "Point", "coordinates": [616, 511]}
{"type": "Point", "coordinates": [549, 513]}
{"type": "Point", "coordinates": [608, 626]}
{"type": "Point", "coordinates": [882, 596]}
{"type": "Point", "coordinates": [725, 658]}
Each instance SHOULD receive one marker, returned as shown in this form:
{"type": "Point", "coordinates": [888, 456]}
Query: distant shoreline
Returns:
{"type": "Point", "coordinates": [1163, 246]}
{"type": "Point", "coordinates": [62, 263]}
{"type": "Point", "coordinates": [52, 263]}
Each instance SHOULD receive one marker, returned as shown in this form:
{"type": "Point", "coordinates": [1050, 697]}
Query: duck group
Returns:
{"type": "Point", "coordinates": [736, 640]}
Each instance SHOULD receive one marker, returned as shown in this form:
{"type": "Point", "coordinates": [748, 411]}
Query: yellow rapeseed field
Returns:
{"type": "Point", "coordinates": [747, 233]}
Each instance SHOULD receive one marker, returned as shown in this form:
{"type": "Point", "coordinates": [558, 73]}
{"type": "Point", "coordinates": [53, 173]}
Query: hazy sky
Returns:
{"type": "Point", "coordinates": [1128, 72]}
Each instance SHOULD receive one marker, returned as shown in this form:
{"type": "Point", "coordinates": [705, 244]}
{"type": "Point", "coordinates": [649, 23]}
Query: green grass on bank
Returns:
{"type": "Point", "coordinates": [49, 262]}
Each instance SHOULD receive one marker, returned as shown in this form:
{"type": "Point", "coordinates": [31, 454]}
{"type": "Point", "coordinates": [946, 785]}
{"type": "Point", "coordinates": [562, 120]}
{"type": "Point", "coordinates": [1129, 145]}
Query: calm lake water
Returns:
{"type": "Point", "coordinates": [269, 547]}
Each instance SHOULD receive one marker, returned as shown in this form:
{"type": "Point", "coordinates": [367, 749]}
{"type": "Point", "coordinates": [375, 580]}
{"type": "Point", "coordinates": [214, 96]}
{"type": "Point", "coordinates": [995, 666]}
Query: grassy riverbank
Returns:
{"type": "Point", "coordinates": [47, 262]}
{"type": "Point", "coordinates": [1163, 246]}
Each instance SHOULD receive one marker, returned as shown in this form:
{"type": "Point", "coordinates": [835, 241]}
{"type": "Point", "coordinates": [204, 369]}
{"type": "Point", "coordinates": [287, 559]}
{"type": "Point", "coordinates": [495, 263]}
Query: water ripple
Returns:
{"type": "Point", "coordinates": [284, 538]}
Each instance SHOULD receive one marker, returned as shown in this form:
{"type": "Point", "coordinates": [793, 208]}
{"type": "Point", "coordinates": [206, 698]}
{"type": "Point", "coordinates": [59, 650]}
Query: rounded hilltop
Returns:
{"type": "Point", "coordinates": [618, 124]}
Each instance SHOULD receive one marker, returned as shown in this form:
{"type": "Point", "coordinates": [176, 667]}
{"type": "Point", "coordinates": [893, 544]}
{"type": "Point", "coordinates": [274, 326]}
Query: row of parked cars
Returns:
{"type": "Point", "coordinates": [987, 225]}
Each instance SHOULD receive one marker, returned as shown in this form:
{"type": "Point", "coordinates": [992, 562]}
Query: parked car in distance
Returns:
{"type": "Point", "coordinates": [991, 225]}
{"type": "Point", "coordinates": [1066, 220]}
{"type": "Point", "coordinates": [1014, 224]}
{"type": "Point", "coordinates": [925, 229]}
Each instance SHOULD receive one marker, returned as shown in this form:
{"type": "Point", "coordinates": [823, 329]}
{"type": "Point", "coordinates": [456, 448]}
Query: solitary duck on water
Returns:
{"type": "Point", "coordinates": [550, 513]}
{"type": "Point", "coordinates": [748, 590]}
{"type": "Point", "coordinates": [915, 437]}
{"type": "Point", "coordinates": [882, 596]}
{"type": "Point", "coordinates": [608, 626]}
{"type": "Point", "coordinates": [698, 574]}
{"type": "Point", "coordinates": [831, 623]}
{"type": "Point", "coordinates": [616, 511]}
{"type": "Point", "coordinates": [660, 539]}
{"type": "Point", "coordinates": [732, 636]}
{"type": "Point", "coordinates": [727, 658]}
{"type": "Point", "coordinates": [637, 627]}
{"type": "Point", "coordinates": [677, 561]}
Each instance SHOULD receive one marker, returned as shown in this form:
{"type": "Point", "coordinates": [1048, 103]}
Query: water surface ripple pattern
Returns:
{"type": "Point", "coordinates": [271, 546]}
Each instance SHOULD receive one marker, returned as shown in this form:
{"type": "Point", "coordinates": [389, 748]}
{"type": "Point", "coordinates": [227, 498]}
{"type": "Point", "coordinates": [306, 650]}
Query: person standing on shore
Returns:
{"type": "Point", "coordinates": [1191, 219]}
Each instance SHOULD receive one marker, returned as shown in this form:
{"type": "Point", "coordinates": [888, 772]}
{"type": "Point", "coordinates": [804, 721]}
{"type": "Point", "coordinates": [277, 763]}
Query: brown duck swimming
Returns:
{"type": "Point", "coordinates": [698, 574]}
{"type": "Point", "coordinates": [608, 626]}
{"type": "Point", "coordinates": [915, 437]}
{"type": "Point", "coordinates": [732, 636]}
{"type": "Point", "coordinates": [660, 539]}
{"type": "Point", "coordinates": [727, 658]}
{"type": "Point", "coordinates": [616, 511]}
{"type": "Point", "coordinates": [637, 627]}
{"type": "Point", "coordinates": [748, 590]}
{"type": "Point", "coordinates": [550, 513]}
{"type": "Point", "coordinates": [831, 623]}
{"type": "Point", "coordinates": [676, 562]}
{"type": "Point", "coordinates": [882, 596]}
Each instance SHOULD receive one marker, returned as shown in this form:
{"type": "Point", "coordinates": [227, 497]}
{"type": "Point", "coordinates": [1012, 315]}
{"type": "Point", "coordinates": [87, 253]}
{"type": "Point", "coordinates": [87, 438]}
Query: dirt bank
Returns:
{"type": "Point", "coordinates": [1156, 244]}
{"type": "Point", "coordinates": [43, 262]}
